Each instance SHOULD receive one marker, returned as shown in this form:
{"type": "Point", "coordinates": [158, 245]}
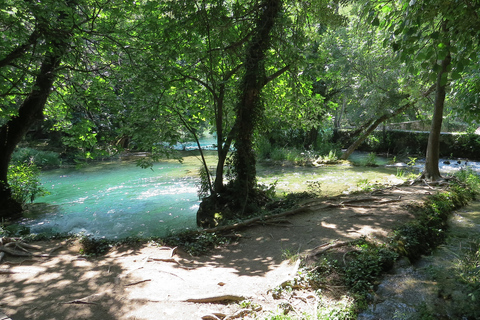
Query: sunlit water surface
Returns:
{"type": "Point", "coordinates": [119, 199]}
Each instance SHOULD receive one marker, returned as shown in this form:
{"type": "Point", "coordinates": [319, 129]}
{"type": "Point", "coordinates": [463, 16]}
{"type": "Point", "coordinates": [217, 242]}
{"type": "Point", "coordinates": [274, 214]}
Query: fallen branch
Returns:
{"type": "Point", "coordinates": [214, 316]}
{"type": "Point", "coordinates": [251, 221]}
{"type": "Point", "coordinates": [54, 249]}
{"type": "Point", "coordinates": [240, 314]}
{"type": "Point", "coordinates": [137, 282]}
{"type": "Point", "coordinates": [15, 252]}
{"type": "Point", "coordinates": [164, 260]}
{"type": "Point", "coordinates": [91, 299]}
{"type": "Point", "coordinates": [216, 299]}
{"type": "Point", "coordinates": [7, 271]}
{"type": "Point", "coordinates": [324, 247]}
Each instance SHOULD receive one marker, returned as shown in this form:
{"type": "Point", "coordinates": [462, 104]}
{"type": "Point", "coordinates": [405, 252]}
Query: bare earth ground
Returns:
{"type": "Point", "coordinates": [152, 282]}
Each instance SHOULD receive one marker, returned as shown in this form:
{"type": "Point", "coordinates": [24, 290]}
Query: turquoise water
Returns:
{"type": "Point", "coordinates": [117, 200]}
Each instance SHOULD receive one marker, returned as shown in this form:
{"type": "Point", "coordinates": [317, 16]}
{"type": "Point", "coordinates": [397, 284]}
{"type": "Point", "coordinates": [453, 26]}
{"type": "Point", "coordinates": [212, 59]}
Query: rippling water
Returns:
{"type": "Point", "coordinates": [119, 199]}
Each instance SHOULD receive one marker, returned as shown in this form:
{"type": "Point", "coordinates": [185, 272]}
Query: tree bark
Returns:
{"type": "Point", "coordinates": [249, 107]}
{"type": "Point", "coordinates": [432, 171]}
{"type": "Point", "coordinates": [29, 112]}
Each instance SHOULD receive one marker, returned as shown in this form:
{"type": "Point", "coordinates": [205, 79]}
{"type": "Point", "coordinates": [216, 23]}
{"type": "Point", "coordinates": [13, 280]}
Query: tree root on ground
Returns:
{"type": "Point", "coordinates": [238, 314]}
{"type": "Point", "coordinates": [17, 248]}
{"type": "Point", "coordinates": [217, 299]}
{"type": "Point", "coordinates": [311, 253]}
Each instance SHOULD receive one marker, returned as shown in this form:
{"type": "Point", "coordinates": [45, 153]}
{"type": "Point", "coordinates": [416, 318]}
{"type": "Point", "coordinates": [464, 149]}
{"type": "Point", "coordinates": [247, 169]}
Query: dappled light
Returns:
{"type": "Point", "coordinates": [231, 159]}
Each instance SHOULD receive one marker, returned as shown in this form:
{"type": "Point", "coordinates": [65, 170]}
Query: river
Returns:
{"type": "Point", "coordinates": [118, 199]}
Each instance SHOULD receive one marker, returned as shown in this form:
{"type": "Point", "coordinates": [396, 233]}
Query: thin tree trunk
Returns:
{"type": "Point", "coordinates": [432, 171]}
{"type": "Point", "coordinates": [376, 123]}
{"type": "Point", "coordinates": [370, 129]}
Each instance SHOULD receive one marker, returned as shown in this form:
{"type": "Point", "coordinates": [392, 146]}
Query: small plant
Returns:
{"type": "Point", "coordinates": [400, 173]}
{"type": "Point", "coordinates": [343, 308]}
{"type": "Point", "coordinates": [314, 187]}
{"type": "Point", "coordinates": [269, 190]}
{"type": "Point", "coordinates": [411, 161]}
{"type": "Point", "coordinates": [248, 304]}
{"type": "Point", "coordinates": [92, 247]}
{"type": "Point", "coordinates": [25, 183]}
{"type": "Point", "coordinates": [468, 266]}
{"type": "Point", "coordinates": [364, 185]}
{"type": "Point", "coordinates": [393, 160]}
{"type": "Point", "coordinates": [196, 244]}
{"type": "Point", "coordinates": [470, 178]}
{"type": "Point", "coordinates": [291, 255]}
{"type": "Point", "coordinates": [13, 230]}
{"type": "Point", "coordinates": [330, 158]}
{"type": "Point", "coordinates": [371, 160]}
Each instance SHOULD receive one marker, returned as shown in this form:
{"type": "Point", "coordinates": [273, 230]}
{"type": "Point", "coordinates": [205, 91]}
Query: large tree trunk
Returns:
{"type": "Point", "coordinates": [249, 107]}
{"type": "Point", "coordinates": [13, 131]}
{"type": "Point", "coordinates": [433, 148]}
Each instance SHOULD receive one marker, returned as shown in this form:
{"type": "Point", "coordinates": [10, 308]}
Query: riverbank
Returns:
{"type": "Point", "coordinates": [257, 275]}
{"type": "Point", "coordinates": [443, 285]}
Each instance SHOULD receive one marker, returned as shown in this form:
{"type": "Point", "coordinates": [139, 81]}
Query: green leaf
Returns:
{"type": "Point", "coordinates": [456, 75]}
{"type": "Point", "coordinates": [444, 79]}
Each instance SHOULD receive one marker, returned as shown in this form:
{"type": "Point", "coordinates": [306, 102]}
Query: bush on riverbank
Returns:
{"type": "Point", "coordinates": [428, 230]}
{"type": "Point", "coordinates": [41, 159]}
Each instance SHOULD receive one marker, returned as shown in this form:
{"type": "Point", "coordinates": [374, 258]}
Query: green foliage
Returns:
{"type": "Point", "coordinates": [25, 183]}
{"type": "Point", "coordinates": [314, 187]}
{"type": "Point", "coordinates": [365, 264]}
{"type": "Point", "coordinates": [203, 187]}
{"type": "Point", "coordinates": [365, 185]}
{"type": "Point", "coordinates": [342, 309]}
{"type": "Point", "coordinates": [470, 178]}
{"type": "Point", "coordinates": [468, 269]}
{"type": "Point", "coordinates": [371, 160]}
{"type": "Point", "coordinates": [290, 254]}
{"type": "Point", "coordinates": [196, 244]}
{"type": "Point", "coordinates": [13, 230]}
{"type": "Point", "coordinates": [93, 247]}
{"type": "Point", "coordinates": [428, 229]}
{"type": "Point", "coordinates": [330, 158]}
{"type": "Point", "coordinates": [41, 159]}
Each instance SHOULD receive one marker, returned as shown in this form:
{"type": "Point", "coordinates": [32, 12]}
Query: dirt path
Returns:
{"type": "Point", "coordinates": [149, 282]}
